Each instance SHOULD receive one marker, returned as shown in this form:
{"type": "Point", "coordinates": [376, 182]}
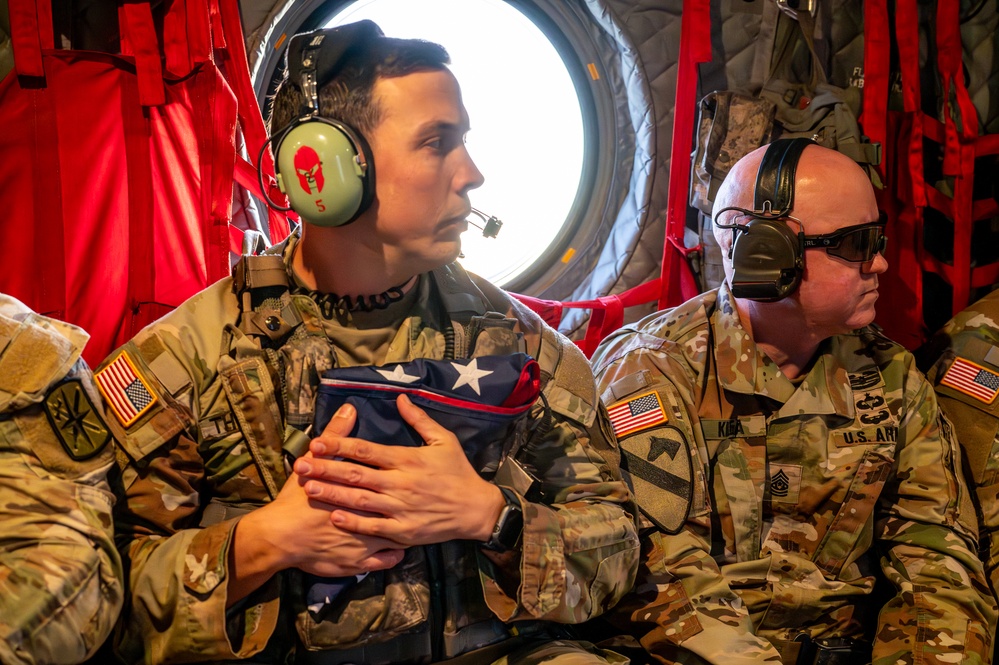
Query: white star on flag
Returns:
{"type": "Point", "coordinates": [398, 375]}
{"type": "Point", "coordinates": [469, 374]}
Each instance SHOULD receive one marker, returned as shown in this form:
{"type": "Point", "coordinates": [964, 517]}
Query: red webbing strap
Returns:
{"type": "Point", "coordinates": [907, 38]}
{"type": "Point", "coordinates": [49, 221]}
{"type": "Point", "coordinates": [877, 56]}
{"type": "Point", "coordinates": [959, 154]}
{"type": "Point", "coordinates": [216, 137]}
{"type": "Point", "coordinates": [187, 38]}
{"type": "Point", "coordinates": [550, 311]}
{"type": "Point", "coordinates": [141, 250]}
{"type": "Point", "coordinates": [695, 47]}
{"type": "Point", "coordinates": [252, 122]}
{"type": "Point", "coordinates": [607, 316]}
{"type": "Point", "coordinates": [139, 31]}
{"type": "Point", "coordinates": [30, 32]}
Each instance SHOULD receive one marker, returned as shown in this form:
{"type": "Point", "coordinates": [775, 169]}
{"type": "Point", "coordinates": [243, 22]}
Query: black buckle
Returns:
{"type": "Point", "coordinates": [832, 651]}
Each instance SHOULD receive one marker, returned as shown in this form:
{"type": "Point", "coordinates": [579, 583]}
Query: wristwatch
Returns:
{"type": "Point", "coordinates": [510, 525]}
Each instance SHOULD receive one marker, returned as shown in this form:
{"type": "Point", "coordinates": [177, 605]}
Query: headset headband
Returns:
{"type": "Point", "coordinates": [775, 180]}
{"type": "Point", "coordinates": [317, 57]}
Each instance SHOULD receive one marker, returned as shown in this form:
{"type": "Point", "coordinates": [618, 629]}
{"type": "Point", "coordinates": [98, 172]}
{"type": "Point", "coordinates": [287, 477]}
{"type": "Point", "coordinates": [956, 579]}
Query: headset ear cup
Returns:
{"type": "Point", "coordinates": [319, 169]}
{"type": "Point", "coordinates": [767, 261]}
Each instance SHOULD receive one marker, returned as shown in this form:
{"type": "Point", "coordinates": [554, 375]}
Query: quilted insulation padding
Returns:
{"type": "Point", "coordinates": [980, 21]}
{"type": "Point", "coordinates": [632, 253]}
{"type": "Point", "coordinates": [651, 28]}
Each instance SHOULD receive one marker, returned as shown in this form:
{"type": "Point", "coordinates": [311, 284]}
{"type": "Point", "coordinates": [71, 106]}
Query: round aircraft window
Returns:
{"type": "Point", "coordinates": [527, 126]}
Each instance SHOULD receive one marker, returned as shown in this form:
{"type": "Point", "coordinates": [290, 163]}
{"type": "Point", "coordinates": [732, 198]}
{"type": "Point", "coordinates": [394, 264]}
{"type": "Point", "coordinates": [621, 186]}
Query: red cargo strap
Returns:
{"type": "Point", "coordinates": [677, 282]}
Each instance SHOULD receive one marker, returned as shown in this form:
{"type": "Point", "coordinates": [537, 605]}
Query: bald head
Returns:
{"type": "Point", "coordinates": [823, 178]}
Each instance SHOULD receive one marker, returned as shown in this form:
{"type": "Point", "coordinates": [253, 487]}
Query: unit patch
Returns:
{"type": "Point", "coordinates": [872, 408]}
{"type": "Point", "coordinates": [971, 379]}
{"type": "Point", "coordinates": [865, 380]}
{"type": "Point", "coordinates": [657, 465]}
{"type": "Point", "coordinates": [638, 413]}
{"type": "Point", "coordinates": [127, 394]}
{"type": "Point", "coordinates": [785, 483]}
{"type": "Point", "coordinates": [75, 420]}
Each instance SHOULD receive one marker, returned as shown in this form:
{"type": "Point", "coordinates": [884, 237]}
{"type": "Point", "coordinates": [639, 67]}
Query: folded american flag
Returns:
{"type": "Point", "coordinates": [477, 399]}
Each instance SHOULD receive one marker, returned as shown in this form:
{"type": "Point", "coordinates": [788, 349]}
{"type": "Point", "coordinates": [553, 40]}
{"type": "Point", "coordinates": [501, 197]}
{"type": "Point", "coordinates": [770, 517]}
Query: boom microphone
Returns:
{"type": "Point", "coordinates": [491, 227]}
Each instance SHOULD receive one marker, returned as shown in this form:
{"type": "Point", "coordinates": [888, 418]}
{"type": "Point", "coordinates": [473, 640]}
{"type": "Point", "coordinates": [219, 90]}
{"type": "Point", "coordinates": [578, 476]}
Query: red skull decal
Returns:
{"type": "Point", "coordinates": [309, 170]}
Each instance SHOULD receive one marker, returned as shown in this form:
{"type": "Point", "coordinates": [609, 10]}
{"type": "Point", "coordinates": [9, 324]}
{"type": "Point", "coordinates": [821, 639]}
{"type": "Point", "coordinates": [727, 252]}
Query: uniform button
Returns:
{"type": "Point", "coordinates": [272, 323]}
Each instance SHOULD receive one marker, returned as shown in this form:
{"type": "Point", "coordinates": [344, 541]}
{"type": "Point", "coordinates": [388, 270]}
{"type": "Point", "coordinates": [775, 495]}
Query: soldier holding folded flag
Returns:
{"type": "Point", "coordinates": [301, 484]}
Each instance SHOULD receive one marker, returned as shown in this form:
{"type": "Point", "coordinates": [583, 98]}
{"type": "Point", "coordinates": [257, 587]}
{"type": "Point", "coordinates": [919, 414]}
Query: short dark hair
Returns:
{"type": "Point", "coordinates": [347, 97]}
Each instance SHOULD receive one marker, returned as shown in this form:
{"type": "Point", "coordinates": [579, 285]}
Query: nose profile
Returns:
{"type": "Point", "coordinates": [877, 265]}
{"type": "Point", "coordinates": [470, 175]}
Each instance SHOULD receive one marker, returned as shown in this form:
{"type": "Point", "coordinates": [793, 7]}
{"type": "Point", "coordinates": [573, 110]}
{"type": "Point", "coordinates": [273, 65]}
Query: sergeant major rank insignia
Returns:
{"type": "Point", "coordinates": [75, 420]}
{"type": "Point", "coordinates": [125, 391]}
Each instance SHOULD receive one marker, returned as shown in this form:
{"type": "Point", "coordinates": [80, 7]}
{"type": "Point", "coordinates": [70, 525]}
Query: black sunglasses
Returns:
{"type": "Point", "coordinates": [856, 244]}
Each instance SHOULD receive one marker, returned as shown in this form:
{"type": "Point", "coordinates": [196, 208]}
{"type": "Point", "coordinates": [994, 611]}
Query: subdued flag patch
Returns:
{"type": "Point", "coordinates": [971, 379]}
{"type": "Point", "coordinates": [637, 413]}
{"type": "Point", "coordinates": [127, 394]}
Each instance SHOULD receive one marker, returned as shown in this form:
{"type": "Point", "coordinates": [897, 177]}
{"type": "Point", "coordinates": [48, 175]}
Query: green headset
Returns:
{"type": "Point", "coordinates": [323, 165]}
{"type": "Point", "coordinates": [768, 257]}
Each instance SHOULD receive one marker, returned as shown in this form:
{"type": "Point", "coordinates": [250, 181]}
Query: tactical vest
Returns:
{"type": "Point", "coordinates": [431, 577]}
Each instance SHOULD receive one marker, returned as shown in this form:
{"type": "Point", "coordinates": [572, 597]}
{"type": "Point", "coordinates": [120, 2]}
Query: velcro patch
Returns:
{"type": "Point", "coordinates": [972, 379]}
{"type": "Point", "coordinates": [638, 413]}
{"type": "Point", "coordinates": [866, 379]}
{"type": "Point", "coordinates": [785, 482]}
{"type": "Point", "coordinates": [658, 467]}
{"type": "Point", "coordinates": [126, 392]}
{"type": "Point", "coordinates": [75, 421]}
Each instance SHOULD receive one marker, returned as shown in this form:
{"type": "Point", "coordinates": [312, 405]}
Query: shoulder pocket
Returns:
{"type": "Point", "coordinates": [141, 413]}
{"type": "Point", "coordinates": [659, 451]}
{"type": "Point", "coordinates": [567, 379]}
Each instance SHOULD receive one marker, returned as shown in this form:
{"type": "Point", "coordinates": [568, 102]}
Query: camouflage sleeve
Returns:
{"type": "Point", "coordinates": [178, 570]}
{"type": "Point", "coordinates": [961, 362]}
{"type": "Point", "coordinates": [681, 605]}
{"type": "Point", "coordinates": [943, 611]}
{"type": "Point", "coordinates": [60, 575]}
{"type": "Point", "coordinates": [580, 547]}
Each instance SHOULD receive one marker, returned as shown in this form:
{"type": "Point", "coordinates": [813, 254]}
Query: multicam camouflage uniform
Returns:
{"type": "Point", "coordinates": [962, 362]}
{"type": "Point", "coordinates": [60, 575]}
{"type": "Point", "coordinates": [222, 396]}
{"type": "Point", "coordinates": [774, 503]}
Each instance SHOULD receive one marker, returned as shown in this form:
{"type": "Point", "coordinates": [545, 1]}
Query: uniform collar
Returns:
{"type": "Point", "coordinates": [743, 368]}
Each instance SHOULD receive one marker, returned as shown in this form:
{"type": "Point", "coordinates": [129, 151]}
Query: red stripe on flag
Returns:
{"type": "Point", "coordinates": [114, 382]}
{"type": "Point", "coordinates": [637, 413]}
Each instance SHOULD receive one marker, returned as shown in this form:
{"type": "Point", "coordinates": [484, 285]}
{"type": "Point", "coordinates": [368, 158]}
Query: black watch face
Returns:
{"type": "Point", "coordinates": [511, 529]}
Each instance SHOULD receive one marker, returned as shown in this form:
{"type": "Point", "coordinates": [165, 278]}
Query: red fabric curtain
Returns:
{"type": "Point", "coordinates": [118, 177]}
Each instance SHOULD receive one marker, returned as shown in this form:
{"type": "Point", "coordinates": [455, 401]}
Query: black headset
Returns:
{"type": "Point", "coordinates": [768, 257]}
{"type": "Point", "coordinates": [323, 165]}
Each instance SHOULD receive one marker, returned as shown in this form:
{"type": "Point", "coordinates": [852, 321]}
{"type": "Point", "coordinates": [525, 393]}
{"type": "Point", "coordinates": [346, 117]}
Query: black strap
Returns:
{"type": "Point", "coordinates": [775, 181]}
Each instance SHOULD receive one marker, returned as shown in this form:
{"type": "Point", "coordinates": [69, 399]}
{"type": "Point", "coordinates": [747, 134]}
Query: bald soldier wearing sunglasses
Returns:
{"type": "Point", "coordinates": [800, 503]}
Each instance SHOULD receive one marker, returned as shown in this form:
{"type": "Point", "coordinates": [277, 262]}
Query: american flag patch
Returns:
{"type": "Point", "coordinates": [637, 413]}
{"type": "Point", "coordinates": [124, 390]}
{"type": "Point", "coordinates": [972, 379]}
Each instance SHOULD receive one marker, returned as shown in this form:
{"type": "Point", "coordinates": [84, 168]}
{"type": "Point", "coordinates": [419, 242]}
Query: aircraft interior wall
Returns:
{"type": "Point", "coordinates": [938, 121]}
